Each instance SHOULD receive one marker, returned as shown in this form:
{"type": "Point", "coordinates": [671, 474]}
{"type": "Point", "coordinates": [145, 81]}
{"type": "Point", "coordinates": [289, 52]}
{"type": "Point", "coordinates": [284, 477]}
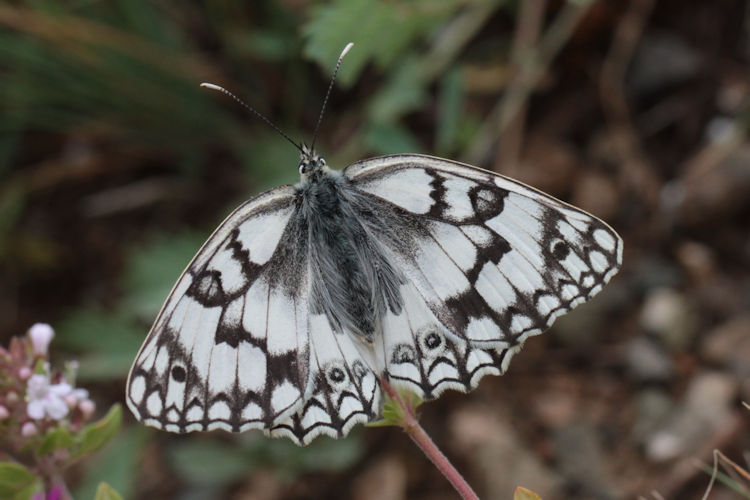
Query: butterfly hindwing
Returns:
{"type": "Point", "coordinates": [495, 260]}
{"type": "Point", "coordinates": [344, 391]}
{"type": "Point", "coordinates": [422, 355]}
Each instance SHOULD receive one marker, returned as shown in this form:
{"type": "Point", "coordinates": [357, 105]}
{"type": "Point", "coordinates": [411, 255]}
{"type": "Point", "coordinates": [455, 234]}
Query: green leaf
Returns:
{"type": "Point", "coordinates": [14, 478]}
{"type": "Point", "coordinates": [382, 32]}
{"type": "Point", "coordinates": [403, 92]}
{"type": "Point", "coordinates": [106, 492]}
{"type": "Point", "coordinates": [393, 412]}
{"type": "Point", "coordinates": [522, 493]}
{"type": "Point", "coordinates": [118, 464]}
{"type": "Point", "coordinates": [28, 492]}
{"type": "Point", "coordinates": [96, 435]}
{"type": "Point", "coordinates": [54, 440]}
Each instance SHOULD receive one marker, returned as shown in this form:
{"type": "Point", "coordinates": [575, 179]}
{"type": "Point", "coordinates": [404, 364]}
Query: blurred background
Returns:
{"type": "Point", "coordinates": [115, 166]}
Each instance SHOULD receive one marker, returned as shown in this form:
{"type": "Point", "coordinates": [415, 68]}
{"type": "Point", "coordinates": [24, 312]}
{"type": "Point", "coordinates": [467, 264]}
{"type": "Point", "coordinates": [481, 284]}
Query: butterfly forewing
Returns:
{"type": "Point", "coordinates": [230, 348]}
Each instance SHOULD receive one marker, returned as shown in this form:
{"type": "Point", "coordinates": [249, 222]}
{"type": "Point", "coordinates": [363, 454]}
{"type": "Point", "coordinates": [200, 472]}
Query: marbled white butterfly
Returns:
{"type": "Point", "coordinates": [425, 271]}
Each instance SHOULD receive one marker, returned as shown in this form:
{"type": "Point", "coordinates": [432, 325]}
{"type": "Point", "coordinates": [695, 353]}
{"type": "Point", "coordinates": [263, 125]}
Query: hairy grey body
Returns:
{"type": "Point", "coordinates": [352, 280]}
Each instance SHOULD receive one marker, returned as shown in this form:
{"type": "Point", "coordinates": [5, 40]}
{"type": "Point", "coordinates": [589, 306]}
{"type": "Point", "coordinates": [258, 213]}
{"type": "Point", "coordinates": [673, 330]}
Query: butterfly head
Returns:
{"type": "Point", "coordinates": [310, 164]}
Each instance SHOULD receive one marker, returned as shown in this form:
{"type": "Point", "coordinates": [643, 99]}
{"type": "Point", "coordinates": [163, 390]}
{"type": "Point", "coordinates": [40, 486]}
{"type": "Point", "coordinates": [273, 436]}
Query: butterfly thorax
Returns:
{"type": "Point", "coordinates": [351, 280]}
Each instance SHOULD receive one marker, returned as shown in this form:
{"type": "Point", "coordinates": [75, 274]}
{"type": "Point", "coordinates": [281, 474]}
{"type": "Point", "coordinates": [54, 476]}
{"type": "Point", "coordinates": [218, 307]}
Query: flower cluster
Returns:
{"type": "Point", "coordinates": [31, 394]}
{"type": "Point", "coordinates": [43, 419]}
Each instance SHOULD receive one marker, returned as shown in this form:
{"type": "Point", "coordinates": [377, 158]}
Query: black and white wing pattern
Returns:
{"type": "Point", "coordinates": [425, 271]}
{"type": "Point", "coordinates": [236, 347]}
{"type": "Point", "coordinates": [345, 390]}
{"type": "Point", "coordinates": [490, 262]}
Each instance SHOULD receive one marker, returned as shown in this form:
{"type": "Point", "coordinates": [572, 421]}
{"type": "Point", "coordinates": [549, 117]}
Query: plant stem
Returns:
{"type": "Point", "coordinates": [427, 445]}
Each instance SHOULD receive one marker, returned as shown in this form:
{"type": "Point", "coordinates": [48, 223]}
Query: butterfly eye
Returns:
{"type": "Point", "coordinates": [178, 374]}
{"type": "Point", "coordinates": [302, 168]}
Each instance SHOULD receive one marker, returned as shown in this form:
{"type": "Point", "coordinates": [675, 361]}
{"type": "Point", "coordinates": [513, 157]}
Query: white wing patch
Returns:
{"type": "Point", "coordinates": [409, 189]}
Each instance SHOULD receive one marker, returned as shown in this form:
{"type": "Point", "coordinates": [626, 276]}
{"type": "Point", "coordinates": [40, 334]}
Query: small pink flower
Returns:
{"type": "Point", "coordinates": [11, 398]}
{"type": "Point", "coordinates": [28, 429]}
{"type": "Point", "coordinates": [45, 399]}
{"type": "Point", "coordinates": [75, 397]}
{"type": "Point", "coordinates": [4, 413]}
{"type": "Point", "coordinates": [41, 335]}
{"type": "Point", "coordinates": [24, 372]}
{"type": "Point", "coordinates": [87, 407]}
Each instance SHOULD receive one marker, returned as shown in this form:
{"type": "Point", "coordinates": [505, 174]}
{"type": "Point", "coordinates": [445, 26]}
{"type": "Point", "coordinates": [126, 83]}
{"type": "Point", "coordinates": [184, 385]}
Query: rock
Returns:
{"type": "Point", "coordinates": [651, 272]}
{"type": "Point", "coordinates": [729, 344]}
{"type": "Point", "coordinates": [653, 406]}
{"type": "Point", "coordinates": [706, 406]}
{"type": "Point", "coordinates": [488, 442]}
{"type": "Point", "coordinates": [667, 314]}
{"type": "Point", "coordinates": [647, 361]}
{"type": "Point", "coordinates": [698, 260]}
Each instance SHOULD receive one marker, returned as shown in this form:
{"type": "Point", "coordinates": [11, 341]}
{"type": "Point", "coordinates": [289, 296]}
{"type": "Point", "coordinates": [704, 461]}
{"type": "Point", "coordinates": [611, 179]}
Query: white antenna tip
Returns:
{"type": "Point", "coordinates": [346, 49]}
{"type": "Point", "coordinates": [211, 86]}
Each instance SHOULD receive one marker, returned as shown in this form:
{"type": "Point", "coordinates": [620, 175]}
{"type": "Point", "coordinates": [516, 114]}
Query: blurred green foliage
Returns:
{"type": "Point", "coordinates": [106, 492]}
{"type": "Point", "coordinates": [123, 77]}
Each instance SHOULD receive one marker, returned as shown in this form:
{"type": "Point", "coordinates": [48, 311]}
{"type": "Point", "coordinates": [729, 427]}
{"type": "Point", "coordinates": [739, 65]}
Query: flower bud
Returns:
{"type": "Point", "coordinates": [24, 372]}
{"type": "Point", "coordinates": [87, 408]}
{"type": "Point", "coordinates": [71, 401]}
{"type": "Point", "coordinates": [4, 413]}
{"type": "Point", "coordinates": [28, 429]}
{"type": "Point", "coordinates": [41, 335]}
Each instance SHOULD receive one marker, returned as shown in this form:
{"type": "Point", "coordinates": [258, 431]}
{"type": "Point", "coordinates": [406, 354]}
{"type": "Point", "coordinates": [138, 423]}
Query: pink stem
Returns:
{"type": "Point", "coordinates": [427, 445]}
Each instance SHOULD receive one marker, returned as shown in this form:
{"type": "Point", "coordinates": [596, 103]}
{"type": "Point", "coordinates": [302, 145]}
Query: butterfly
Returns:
{"type": "Point", "coordinates": [424, 271]}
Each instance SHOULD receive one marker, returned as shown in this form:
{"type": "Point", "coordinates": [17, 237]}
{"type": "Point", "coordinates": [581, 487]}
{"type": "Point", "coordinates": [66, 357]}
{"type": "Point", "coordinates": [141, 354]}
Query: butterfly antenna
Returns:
{"type": "Point", "coordinates": [251, 109]}
{"type": "Point", "coordinates": [328, 93]}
